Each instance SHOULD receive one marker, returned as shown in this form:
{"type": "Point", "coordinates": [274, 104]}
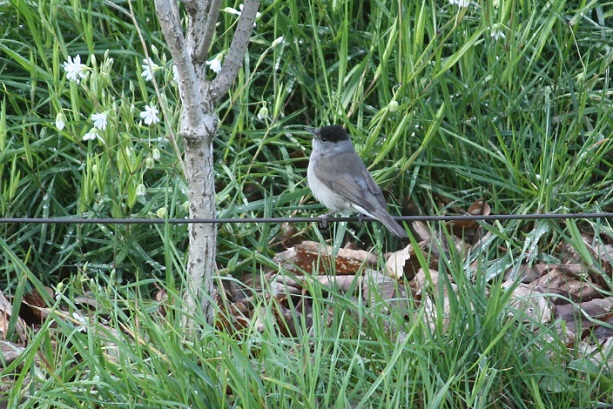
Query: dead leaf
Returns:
{"type": "Point", "coordinates": [421, 231]}
{"type": "Point", "coordinates": [6, 312]}
{"type": "Point", "coordinates": [599, 355]}
{"type": "Point", "coordinates": [582, 319]}
{"type": "Point", "coordinates": [431, 285]}
{"type": "Point", "coordinates": [532, 304]}
{"type": "Point", "coordinates": [470, 230]}
{"type": "Point", "coordinates": [557, 281]}
{"type": "Point", "coordinates": [312, 257]}
{"type": "Point", "coordinates": [10, 351]}
{"type": "Point", "coordinates": [378, 287]}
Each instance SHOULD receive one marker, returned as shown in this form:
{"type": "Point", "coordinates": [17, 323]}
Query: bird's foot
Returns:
{"type": "Point", "coordinates": [323, 220]}
{"type": "Point", "coordinates": [360, 218]}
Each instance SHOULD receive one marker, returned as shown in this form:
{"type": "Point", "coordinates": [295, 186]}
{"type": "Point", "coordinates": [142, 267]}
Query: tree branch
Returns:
{"type": "Point", "coordinates": [234, 58]}
{"type": "Point", "coordinates": [199, 17]}
{"type": "Point", "coordinates": [209, 30]}
{"type": "Point", "coordinates": [175, 11]}
{"type": "Point", "coordinates": [188, 84]}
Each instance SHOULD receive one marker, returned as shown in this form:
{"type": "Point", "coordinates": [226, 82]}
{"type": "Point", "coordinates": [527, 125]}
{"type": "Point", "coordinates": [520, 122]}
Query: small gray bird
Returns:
{"type": "Point", "coordinates": [340, 181]}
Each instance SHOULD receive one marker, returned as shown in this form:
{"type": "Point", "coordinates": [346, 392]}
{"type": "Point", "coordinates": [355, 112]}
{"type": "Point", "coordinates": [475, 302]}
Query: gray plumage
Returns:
{"type": "Point", "coordinates": [339, 179]}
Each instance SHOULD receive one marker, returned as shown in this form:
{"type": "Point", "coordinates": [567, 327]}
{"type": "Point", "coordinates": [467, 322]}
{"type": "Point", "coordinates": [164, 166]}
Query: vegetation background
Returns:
{"type": "Point", "coordinates": [448, 102]}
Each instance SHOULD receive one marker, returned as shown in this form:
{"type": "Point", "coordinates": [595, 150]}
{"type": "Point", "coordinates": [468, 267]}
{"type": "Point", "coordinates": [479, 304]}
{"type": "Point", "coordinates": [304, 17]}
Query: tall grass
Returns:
{"type": "Point", "coordinates": [507, 100]}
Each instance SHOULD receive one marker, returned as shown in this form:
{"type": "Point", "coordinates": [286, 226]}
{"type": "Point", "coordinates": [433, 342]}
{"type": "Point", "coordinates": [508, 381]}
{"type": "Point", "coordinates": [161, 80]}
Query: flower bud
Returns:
{"type": "Point", "coordinates": [263, 113]}
{"type": "Point", "coordinates": [141, 190]}
{"type": "Point", "coordinates": [161, 213]}
{"type": "Point", "coordinates": [149, 162]}
{"type": "Point", "coordinates": [60, 121]}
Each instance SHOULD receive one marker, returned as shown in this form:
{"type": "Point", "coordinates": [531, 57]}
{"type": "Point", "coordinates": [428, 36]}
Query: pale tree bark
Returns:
{"type": "Point", "coordinates": [199, 124]}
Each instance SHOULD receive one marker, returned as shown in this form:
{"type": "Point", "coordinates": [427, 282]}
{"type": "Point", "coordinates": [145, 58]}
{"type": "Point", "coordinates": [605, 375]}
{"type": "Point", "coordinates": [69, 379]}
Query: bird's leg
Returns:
{"type": "Point", "coordinates": [323, 220]}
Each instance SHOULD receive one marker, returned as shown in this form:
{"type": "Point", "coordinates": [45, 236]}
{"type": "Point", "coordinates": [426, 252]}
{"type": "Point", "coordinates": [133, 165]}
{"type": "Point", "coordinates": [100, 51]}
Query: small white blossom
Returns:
{"type": "Point", "coordinates": [161, 212]}
{"type": "Point", "coordinates": [460, 3]}
{"type": "Point", "coordinates": [91, 135]}
{"type": "Point", "coordinates": [278, 40]}
{"type": "Point", "coordinates": [141, 190]}
{"type": "Point", "coordinates": [75, 71]}
{"type": "Point", "coordinates": [149, 162]}
{"type": "Point", "coordinates": [215, 63]}
{"type": "Point", "coordinates": [497, 32]}
{"type": "Point", "coordinates": [60, 121]}
{"type": "Point", "coordinates": [230, 10]}
{"type": "Point", "coordinates": [393, 106]}
{"type": "Point", "coordinates": [175, 73]}
{"type": "Point", "coordinates": [81, 320]}
{"type": "Point", "coordinates": [150, 115]}
{"type": "Point", "coordinates": [156, 154]}
{"type": "Point", "coordinates": [263, 113]}
{"type": "Point", "coordinates": [100, 120]}
{"type": "Point", "coordinates": [149, 69]}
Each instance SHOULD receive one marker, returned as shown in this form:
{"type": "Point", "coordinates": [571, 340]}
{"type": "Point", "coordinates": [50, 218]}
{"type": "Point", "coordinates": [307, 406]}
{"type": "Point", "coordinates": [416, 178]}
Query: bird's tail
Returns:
{"type": "Point", "coordinates": [392, 225]}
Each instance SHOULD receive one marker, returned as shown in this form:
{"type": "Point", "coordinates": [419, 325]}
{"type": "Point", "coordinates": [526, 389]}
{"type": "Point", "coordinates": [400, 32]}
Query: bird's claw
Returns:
{"type": "Point", "coordinates": [323, 220]}
{"type": "Point", "coordinates": [360, 218]}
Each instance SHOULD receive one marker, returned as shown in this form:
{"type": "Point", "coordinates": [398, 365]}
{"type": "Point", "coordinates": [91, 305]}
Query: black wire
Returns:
{"type": "Point", "coordinates": [316, 219]}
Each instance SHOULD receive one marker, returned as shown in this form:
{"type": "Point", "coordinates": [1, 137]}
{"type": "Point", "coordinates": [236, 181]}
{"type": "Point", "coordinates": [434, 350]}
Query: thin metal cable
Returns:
{"type": "Point", "coordinates": [316, 219]}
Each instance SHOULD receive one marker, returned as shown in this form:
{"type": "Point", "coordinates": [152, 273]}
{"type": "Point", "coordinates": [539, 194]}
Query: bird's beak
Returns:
{"type": "Point", "coordinates": [314, 131]}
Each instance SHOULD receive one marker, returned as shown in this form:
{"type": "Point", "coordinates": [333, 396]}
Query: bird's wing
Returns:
{"type": "Point", "coordinates": [348, 177]}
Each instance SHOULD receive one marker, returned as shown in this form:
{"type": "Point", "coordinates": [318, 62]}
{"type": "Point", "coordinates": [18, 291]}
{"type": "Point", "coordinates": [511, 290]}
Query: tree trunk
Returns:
{"type": "Point", "coordinates": [199, 126]}
{"type": "Point", "coordinates": [202, 236]}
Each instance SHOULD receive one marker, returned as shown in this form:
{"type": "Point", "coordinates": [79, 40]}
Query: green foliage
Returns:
{"type": "Point", "coordinates": [508, 100]}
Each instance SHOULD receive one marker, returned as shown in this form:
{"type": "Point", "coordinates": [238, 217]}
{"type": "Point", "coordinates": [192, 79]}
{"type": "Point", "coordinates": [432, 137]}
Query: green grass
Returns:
{"type": "Point", "coordinates": [442, 111]}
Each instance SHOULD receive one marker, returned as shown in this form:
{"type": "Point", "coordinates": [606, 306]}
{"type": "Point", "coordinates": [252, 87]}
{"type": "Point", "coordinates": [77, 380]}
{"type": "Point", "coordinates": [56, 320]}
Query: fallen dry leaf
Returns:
{"type": "Point", "coordinates": [312, 257]}
{"type": "Point", "coordinates": [558, 281]}
{"type": "Point", "coordinates": [10, 351]}
{"type": "Point", "coordinates": [404, 263]}
{"type": "Point", "coordinates": [6, 312]}
{"type": "Point", "coordinates": [533, 305]}
{"type": "Point", "coordinates": [600, 355]}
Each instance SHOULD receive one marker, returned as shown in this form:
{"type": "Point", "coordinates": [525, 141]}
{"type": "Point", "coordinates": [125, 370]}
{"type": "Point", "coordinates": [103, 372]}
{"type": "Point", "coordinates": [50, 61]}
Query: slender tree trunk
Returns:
{"type": "Point", "coordinates": [199, 125]}
{"type": "Point", "coordinates": [202, 236]}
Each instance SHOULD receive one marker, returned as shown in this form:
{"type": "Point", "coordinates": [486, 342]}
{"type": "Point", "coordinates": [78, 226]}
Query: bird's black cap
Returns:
{"type": "Point", "coordinates": [332, 133]}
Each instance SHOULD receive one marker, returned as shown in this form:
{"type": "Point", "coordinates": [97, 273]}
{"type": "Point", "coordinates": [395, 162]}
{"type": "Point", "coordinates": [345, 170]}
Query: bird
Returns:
{"type": "Point", "coordinates": [340, 181]}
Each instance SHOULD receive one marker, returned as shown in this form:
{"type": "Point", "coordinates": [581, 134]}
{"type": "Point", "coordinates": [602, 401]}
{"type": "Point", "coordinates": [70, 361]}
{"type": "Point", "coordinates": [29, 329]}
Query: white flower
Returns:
{"type": "Point", "coordinates": [277, 41]}
{"type": "Point", "coordinates": [75, 71]}
{"type": "Point", "coordinates": [238, 13]}
{"type": "Point", "coordinates": [100, 120]}
{"type": "Point", "coordinates": [393, 106]}
{"type": "Point", "coordinates": [460, 3]}
{"type": "Point", "coordinates": [215, 63]}
{"type": "Point", "coordinates": [149, 69]}
{"type": "Point", "coordinates": [60, 121]}
{"type": "Point", "coordinates": [175, 73]}
{"type": "Point", "coordinates": [161, 212]}
{"type": "Point", "coordinates": [150, 115]}
{"type": "Point", "coordinates": [230, 10]}
{"type": "Point", "coordinates": [141, 190]}
{"type": "Point", "coordinates": [91, 135]}
{"type": "Point", "coordinates": [81, 320]}
{"type": "Point", "coordinates": [497, 32]}
{"type": "Point", "coordinates": [263, 113]}
{"type": "Point", "coordinates": [149, 162]}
